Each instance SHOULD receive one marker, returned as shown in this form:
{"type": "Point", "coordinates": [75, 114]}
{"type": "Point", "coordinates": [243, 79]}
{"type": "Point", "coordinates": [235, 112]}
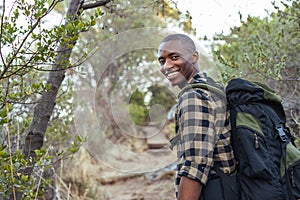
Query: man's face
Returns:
{"type": "Point", "coordinates": [176, 62]}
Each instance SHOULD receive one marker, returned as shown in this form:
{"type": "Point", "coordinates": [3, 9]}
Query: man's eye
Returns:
{"type": "Point", "coordinates": [161, 61]}
{"type": "Point", "coordinates": [174, 57]}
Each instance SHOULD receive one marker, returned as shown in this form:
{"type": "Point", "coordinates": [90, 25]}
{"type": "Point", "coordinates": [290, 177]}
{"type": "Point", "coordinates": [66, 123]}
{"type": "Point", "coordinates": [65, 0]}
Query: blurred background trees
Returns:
{"type": "Point", "coordinates": [266, 50]}
{"type": "Point", "coordinates": [82, 51]}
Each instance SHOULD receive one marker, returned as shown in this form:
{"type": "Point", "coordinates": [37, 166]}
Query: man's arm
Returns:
{"type": "Point", "coordinates": [196, 127]}
{"type": "Point", "coordinates": [189, 189]}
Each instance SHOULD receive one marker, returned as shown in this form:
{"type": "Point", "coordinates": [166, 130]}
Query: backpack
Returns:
{"type": "Point", "coordinates": [268, 161]}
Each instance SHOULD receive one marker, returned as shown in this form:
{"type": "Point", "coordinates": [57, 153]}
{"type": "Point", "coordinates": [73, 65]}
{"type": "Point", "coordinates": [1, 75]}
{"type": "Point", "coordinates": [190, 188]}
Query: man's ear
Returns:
{"type": "Point", "coordinates": [195, 56]}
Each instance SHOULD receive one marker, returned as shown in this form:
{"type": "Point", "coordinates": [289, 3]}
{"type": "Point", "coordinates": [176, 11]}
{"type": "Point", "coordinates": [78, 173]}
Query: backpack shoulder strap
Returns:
{"type": "Point", "coordinates": [278, 123]}
{"type": "Point", "coordinates": [204, 86]}
{"type": "Point", "coordinates": [285, 137]}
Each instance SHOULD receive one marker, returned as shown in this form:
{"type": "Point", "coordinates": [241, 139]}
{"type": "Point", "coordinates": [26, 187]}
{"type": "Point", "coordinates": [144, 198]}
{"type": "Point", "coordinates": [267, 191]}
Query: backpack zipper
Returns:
{"type": "Point", "coordinates": [292, 178]}
{"type": "Point", "coordinates": [256, 141]}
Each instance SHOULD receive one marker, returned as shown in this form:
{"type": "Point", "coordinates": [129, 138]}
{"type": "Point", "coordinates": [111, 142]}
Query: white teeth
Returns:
{"type": "Point", "coordinates": [172, 74]}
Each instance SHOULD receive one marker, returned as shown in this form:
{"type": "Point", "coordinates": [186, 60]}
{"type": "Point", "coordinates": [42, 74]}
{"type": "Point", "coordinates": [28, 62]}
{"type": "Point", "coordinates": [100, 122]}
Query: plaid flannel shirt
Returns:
{"type": "Point", "coordinates": [202, 134]}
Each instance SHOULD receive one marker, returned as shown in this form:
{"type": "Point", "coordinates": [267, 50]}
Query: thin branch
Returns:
{"type": "Point", "coordinates": [295, 119]}
{"type": "Point", "coordinates": [10, 154]}
{"type": "Point", "coordinates": [86, 6]}
{"type": "Point", "coordinates": [1, 32]}
{"type": "Point", "coordinates": [5, 95]}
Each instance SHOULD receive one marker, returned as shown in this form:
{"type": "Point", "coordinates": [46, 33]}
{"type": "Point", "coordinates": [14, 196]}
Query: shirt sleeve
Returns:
{"type": "Point", "coordinates": [196, 126]}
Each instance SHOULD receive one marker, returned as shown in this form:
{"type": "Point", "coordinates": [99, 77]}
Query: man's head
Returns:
{"type": "Point", "coordinates": [178, 59]}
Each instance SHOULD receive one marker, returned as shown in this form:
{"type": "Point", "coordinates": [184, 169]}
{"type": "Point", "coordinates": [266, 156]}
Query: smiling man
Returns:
{"type": "Point", "coordinates": [202, 126]}
{"type": "Point", "coordinates": [178, 59]}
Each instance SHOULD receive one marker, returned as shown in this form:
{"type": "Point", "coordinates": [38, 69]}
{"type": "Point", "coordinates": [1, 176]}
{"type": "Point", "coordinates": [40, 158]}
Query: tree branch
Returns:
{"type": "Point", "coordinates": [95, 4]}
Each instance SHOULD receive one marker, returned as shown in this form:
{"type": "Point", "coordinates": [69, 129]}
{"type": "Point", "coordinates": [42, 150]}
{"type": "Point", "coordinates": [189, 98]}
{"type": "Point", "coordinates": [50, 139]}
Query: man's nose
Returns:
{"type": "Point", "coordinates": [168, 64]}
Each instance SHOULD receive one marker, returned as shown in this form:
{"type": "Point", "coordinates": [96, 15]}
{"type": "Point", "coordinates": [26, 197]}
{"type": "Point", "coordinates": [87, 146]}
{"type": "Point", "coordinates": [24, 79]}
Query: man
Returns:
{"type": "Point", "coordinates": [202, 129]}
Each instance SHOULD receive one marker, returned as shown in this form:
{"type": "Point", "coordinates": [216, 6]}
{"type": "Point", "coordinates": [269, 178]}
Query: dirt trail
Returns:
{"type": "Point", "coordinates": [140, 189]}
{"type": "Point", "coordinates": [148, 175]}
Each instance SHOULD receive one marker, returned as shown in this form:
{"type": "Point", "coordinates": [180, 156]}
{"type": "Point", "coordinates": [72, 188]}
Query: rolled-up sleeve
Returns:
{"type": "Point", "coordinates": [196, 127]}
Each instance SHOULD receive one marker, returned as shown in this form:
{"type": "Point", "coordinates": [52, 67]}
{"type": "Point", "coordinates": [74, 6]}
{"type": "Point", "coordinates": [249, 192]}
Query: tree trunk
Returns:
{"type": "Point", "coordinates": [44, 109]}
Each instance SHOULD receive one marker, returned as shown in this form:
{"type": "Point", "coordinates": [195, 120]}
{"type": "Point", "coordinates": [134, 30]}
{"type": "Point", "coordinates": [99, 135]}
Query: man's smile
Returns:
{"type": "Point", "coordinates": [172, 74]}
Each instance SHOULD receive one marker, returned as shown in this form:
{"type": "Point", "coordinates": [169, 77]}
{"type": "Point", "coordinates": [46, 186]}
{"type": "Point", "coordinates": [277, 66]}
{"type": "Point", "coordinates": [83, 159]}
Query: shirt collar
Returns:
{"type": "Point", "coordinates": [198, 78]}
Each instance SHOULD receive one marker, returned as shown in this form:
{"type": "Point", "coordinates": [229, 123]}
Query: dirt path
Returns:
{"type": "Point", "coordinates": [148, 175]}
{"type": "Point", "coordinates": [140, 188]}
{"type": "Point", "coordinates": [106, 171]}
{"type": "Point", "coordinates": [154, 182]}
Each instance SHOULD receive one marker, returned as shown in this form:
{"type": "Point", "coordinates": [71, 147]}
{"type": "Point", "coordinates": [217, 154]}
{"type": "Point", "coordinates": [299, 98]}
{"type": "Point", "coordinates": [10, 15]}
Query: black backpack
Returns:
{"type": "Point", "coordinates": [268, 161]}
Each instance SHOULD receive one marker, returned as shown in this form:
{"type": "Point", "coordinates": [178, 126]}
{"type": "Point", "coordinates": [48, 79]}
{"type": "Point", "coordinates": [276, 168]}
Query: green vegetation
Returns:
{"type": "Point", "coordinates": [43, 66]}
{"type": "Point", "coordinates": [266, 50]}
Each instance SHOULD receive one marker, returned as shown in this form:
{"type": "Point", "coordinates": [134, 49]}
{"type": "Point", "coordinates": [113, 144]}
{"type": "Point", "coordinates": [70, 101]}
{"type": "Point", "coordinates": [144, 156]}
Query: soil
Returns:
{"type": "Point", "coordinates": [140, 188]}
{"type": "Point", "coordinates": [154, 182]}
{"type": "Point", "coordinates": [145, 175]}
{"type": "Point", "coordinates": [142, 170]}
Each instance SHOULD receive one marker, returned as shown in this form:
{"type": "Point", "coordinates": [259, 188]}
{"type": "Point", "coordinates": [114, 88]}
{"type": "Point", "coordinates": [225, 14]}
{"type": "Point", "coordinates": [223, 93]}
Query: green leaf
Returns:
{"type": "Point", "coordinates": [93, 22]}
{"type": "Point", "coordinates": [80, 26]}
{"type": "Point", "coordinates": [35, 86]}
{"type": "Point", "coordinates": [24, 178]}
{"type": "Point", "coordinates": [27, 13]}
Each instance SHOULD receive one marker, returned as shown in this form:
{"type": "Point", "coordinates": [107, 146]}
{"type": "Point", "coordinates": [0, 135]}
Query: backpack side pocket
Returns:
{"type": "Point", "coordinates": [293, 168]}
{"type": "Point", "coordinates": [256, 162]}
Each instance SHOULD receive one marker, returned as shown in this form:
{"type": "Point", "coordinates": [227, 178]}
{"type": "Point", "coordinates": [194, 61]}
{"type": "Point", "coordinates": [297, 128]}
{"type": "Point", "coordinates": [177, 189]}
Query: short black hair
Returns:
{"type": "Point", "coordinates": [181, 37]}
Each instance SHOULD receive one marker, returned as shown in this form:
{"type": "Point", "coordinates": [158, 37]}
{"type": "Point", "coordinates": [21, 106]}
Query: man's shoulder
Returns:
{"type": "Point", "coordinates": [190, 93]}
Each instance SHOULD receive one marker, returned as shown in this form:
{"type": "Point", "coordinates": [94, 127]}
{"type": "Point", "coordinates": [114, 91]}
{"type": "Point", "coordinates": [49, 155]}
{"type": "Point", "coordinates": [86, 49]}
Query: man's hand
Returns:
{"type": "Point", "coordinates": [189, 189]}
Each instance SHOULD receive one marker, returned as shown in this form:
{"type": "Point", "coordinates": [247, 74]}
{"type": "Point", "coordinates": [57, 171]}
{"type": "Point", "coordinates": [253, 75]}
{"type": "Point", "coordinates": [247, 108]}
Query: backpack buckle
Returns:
{"type": "Point", "coordinates": [281, 133]}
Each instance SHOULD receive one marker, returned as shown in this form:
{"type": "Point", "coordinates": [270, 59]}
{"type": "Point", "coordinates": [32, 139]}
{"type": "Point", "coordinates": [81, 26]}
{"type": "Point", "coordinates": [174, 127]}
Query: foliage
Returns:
{"type": "Point", "coordinates": [137, 108]}
{"type": "Point", "coordinates": [266, 50]}
{"type": "Point", "coordinates": [29, 49]}
{"type": "Point", "coordinates": [13, 177]}
{"type": "Point", "coordinates": [172, 15]}
{"type": "Point", "coordinates": [138, 113]}
{"type": "Point", "coordinates": [162, 96]}
{"type": "Point", "coordinates": [31, 45]}
{"type": "Point", "coordinates": [132, 69]}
